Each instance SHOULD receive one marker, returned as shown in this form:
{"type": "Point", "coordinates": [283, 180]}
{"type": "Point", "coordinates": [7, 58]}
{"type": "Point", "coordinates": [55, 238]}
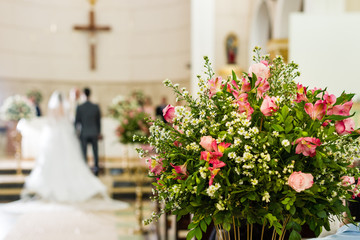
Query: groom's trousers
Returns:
{"type": "Point", "coordinates": [94, 142]}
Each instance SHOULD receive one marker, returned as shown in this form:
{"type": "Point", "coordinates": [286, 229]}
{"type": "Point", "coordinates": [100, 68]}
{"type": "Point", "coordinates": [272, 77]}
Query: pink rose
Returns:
{"type": "Point", "coordinates": [169, 113]}
{"type": "Point", "coordinates": [347, 181]}
{"type": "Point", "coordinates": [268, 106]}
{"type": "Point", "coordinates": [345, 126]}
{"type": "Point", "coordinates": [261, 70]}
{"type": "Point", "coordinates": [206, 143]}
{"type": "Point", "coordinates": [300, 181]}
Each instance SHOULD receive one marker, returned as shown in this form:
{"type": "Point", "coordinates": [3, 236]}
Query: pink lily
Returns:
{"type": "Point", "coordinates": [245, 87]}
{"type": "Point", "coordinates": [347, 181]}
{"type": "Point", "coordinates": [244, 107]}
{"type": "Point", "coordinates": [307, 146]}
{"type": "Point", "coordinates": [155, 165]}
{"type": "Point", "coordinates": [345, 126]}
{"type": "Point", "coordinates": [262, 87]}
{"type": "Point", "coordinates": [301, 94]}
{"type": "Point", "coordinates": [214, 172]}
{"type": "Point", "coordinates": [342, 110]}
{"type": "Point", "coordinates": [329, 99]}
{"type": "Point", "coordinates": [215, 86]}
{"type": "Point", "coordinates": [217, 163]}
{"type": "Point", "coordinates": [316, 111]}
{"type": "Point", "coordinates": [268, 106]}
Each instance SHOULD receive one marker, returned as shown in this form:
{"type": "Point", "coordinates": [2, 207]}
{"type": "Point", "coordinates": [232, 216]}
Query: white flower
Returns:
{"type": "Point", "coordinates": [241, 131]}
{"type": "Point", "coordinates": [232, 155]}
{"type": "Point", "coordinates": [203, 130]}
{"type": "Point", "coordinates": [285, 142]}
{"type": "Point", "coordinates": [266, 197]}
{"type": "Point", "coordinates": [202, 172]}
{"type": "Point", "coordinates": [237, 141]}
{"type": "Point", "coordinates": [247, 156]}
{"type": "Point", "coordinates": [212, 189]}
{"type": "Point", "coordinates": [254, 130]}
{"type": "Point", "coordinates": [176, 188]}
{"type": "Point", "coordinates": [275, 133]}
{"type": "Point", "coordinates": [254, 181]}
{"type": "Point", "coordinates": [220, 206]}
{"type": "Point", "coordinates": [247, 135]}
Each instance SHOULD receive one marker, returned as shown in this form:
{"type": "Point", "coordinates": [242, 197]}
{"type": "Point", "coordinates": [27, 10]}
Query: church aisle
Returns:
{"type": "Point", "coordinates": [74, 224]}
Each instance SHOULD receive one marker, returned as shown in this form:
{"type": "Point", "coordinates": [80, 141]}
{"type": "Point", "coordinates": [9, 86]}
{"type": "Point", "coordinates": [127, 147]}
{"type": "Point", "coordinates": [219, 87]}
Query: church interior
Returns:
{"type": "Point", "coordinates": [118, 48]}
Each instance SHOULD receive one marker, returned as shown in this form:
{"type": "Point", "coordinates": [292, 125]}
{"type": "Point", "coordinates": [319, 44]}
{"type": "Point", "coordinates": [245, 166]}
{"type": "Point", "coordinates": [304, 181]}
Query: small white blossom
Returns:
{"type": "Point", "coordinates": [254, 181]}
{"type": "Point", "coordinates": [237, 141]}
{"type": "Point", "coordinates": [275, 133]}
{"type": "Point", "coordinates": [285, 142]}
{"type": "Point", "coordinates": [202, 172]}
{"type": "Point", "coordinates": [232, 155]}
{"type": "Point", "coordinates": [266, 197]}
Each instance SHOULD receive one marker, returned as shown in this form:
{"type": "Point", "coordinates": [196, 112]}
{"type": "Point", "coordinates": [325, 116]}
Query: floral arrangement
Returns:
{"type": "Point", "coordinates": [259, 149]}
{"type": "Point", "coordinates": [128, 111]}
{"type": "Point", "coordinates": [17, 107]}
{"type": "Point", "coordinates": [35, 95]}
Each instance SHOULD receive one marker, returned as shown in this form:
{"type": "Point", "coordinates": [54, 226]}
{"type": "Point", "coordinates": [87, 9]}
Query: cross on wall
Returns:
{"type": "Point", "coordinates": [92, 29]}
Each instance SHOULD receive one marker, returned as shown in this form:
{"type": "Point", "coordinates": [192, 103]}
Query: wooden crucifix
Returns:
{"type": "Point", "coordinates": [92, 29]}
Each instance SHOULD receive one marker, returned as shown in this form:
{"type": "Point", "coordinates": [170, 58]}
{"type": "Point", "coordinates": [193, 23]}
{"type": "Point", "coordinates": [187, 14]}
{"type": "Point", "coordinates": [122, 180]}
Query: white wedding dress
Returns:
{"type": "Point", "coordinates": [60, 173]}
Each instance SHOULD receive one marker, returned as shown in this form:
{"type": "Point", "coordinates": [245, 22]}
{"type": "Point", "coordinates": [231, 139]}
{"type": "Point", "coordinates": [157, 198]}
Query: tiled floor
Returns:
{"type": "Point", "coordinates": [74, 224]}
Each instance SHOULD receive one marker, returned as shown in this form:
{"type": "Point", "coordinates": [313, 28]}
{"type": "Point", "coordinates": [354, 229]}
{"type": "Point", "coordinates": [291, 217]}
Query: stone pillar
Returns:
{"type": "Point", "coordinates": [202, 38]}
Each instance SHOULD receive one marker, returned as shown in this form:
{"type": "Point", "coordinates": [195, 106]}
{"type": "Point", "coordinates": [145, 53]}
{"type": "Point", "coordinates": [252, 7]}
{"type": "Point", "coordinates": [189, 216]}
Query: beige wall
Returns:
{"type": "Point", "coordinates": [102, 92]}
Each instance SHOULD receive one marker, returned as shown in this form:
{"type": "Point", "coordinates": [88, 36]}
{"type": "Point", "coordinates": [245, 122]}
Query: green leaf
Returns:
{"type": "Point", "coordinates": [299, 115]}
{"type": "Point", "coordinates": [233, 75]}
{"type": "Point", "coordinates": [338, 117]}
{"type": "Point", "coordinates": [292, 210]}
{"type": "Point", "coordinates": [192, 225]}
{"type": "Point", "coordinates": [198, 233]}
{"type": "Point", "coordinates": [293, 225]}
{"type": "Point", "coordinates": [278, 128]}
{"type": "Point", "coordinates": [203, 225]}
{"type": "Point", "coordinates": [227, 226]}
{"type": "Point", "coordinates": [190, 234]}
{"type": "Point", "coordinates": [208, 220]}
{"type": "Point", "coordinates": [294, 235]}
{"type": "Point", "coordinates": [285, 111]}
{"type": "Point", "coordinates": [253, 80]}
{"type": "Point", "coordinates": [321, 214]}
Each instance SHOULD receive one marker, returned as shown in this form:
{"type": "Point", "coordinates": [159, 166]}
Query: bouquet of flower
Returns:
{"type": "Point", "coordinates": [128, 111]}
{"type": "Point", "coordinates": [260, 149]}
{"type": "Point", "coordinates": [35, 95]}
{"type": "Point", "coordinates": [17, 107]}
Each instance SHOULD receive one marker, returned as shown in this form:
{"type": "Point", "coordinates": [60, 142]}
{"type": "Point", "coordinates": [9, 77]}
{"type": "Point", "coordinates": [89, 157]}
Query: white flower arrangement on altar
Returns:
{"type": "Point", "coordinates": [259, 149]}
{"type": "Point", "coordinates": [17, 107]}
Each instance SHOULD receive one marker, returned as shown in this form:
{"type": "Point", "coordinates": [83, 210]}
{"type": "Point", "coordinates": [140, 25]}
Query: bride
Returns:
{"type": "Point", "coordinates": [60, 173]}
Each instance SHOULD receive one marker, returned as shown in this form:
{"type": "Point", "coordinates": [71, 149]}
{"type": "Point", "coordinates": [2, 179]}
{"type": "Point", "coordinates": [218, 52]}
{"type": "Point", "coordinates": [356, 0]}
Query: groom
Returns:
{"type": "Point", "coordinates": [87, 120]}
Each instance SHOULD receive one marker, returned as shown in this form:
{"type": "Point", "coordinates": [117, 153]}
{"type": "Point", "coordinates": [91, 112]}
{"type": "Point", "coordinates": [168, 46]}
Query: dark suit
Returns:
{"type": "Point", "coordinates": [87, 120]}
